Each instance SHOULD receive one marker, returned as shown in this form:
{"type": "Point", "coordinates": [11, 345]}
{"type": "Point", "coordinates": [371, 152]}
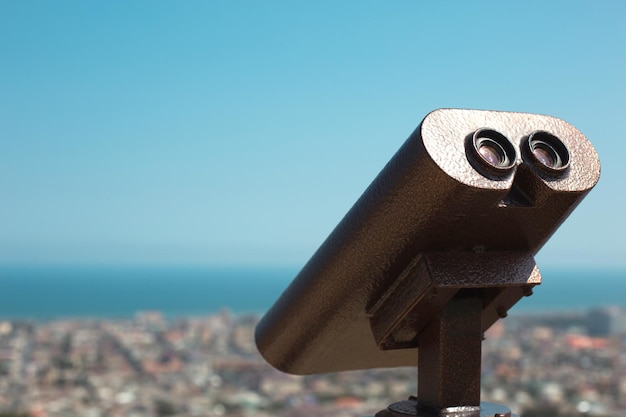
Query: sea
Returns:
{"type": "Point", "coordinates": [37, 292]}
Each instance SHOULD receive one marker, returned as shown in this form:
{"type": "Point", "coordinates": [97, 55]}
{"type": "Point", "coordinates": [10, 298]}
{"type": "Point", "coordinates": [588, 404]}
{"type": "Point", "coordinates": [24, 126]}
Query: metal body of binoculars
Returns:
{"type": "Point", "coordinates": [454, 219]}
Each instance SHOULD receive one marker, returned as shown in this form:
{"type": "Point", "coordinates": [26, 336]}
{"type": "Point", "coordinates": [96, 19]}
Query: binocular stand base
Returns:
{"type": "Point", "coordinates": [412, 408]}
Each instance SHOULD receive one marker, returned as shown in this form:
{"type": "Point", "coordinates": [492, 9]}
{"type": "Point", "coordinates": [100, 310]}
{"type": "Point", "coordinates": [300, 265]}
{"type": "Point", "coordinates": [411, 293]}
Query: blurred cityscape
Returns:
{"type": "Point", "coordinates": [557, 365]}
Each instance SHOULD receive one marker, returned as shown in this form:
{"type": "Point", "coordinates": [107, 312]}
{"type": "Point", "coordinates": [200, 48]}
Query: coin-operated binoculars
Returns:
{"type": "Point", "coordinates": [438, 247]}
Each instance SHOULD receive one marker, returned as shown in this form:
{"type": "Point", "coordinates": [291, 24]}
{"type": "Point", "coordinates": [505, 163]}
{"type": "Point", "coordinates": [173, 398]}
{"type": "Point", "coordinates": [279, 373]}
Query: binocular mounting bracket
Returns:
{"type": "Point", "coordinates": [459, 295]}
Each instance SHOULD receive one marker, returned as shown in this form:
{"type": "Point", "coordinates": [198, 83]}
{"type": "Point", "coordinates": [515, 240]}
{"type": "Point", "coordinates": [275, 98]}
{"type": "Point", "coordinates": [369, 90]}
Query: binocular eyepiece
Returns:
{"type": "Point", "coordinates": [494, 155]}
{"type": "Point", "coordinates": [459, 211]}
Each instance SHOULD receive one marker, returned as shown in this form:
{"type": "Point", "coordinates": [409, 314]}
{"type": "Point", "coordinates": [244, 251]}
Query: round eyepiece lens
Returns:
{"type": "Point", "coordinates": [490, 153]}
{"type": "Point", "coordinates": [548, 151]}
{"type": "Point", "coordinates": [545, 157]}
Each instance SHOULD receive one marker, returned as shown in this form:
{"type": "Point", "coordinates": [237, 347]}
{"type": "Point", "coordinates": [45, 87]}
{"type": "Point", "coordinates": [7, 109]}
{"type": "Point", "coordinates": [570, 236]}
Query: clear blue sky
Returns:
{"type": "Point", "coordinates": [232, 132]}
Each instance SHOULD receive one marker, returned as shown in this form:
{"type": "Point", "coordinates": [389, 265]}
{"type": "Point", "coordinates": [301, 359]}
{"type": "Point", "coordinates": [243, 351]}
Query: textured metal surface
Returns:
{"type": "Point", "coordinates": [428, 199]}
{"type": "Point", "coordinates": [450, 352]}
{"type": "Point", "coordinates": [431, 281]}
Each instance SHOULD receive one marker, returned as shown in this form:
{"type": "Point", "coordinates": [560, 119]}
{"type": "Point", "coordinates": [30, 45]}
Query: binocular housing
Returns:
{"type": "Point", "coordinates": [461, 208]}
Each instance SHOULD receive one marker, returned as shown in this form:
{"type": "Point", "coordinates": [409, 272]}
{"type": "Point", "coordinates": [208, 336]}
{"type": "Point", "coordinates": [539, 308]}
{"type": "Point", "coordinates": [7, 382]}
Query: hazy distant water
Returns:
{"type": "Point", "coordinates": [52, 292]}
{"type": "Point", "coordinates": [55, 292]}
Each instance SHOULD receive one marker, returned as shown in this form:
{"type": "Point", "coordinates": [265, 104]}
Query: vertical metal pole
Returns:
{"type": "Point", "coordinates": [450, 355]}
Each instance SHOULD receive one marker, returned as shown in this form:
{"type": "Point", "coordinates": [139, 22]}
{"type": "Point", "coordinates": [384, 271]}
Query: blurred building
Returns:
{"type": "Point", "coordinates": [606, 321]}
